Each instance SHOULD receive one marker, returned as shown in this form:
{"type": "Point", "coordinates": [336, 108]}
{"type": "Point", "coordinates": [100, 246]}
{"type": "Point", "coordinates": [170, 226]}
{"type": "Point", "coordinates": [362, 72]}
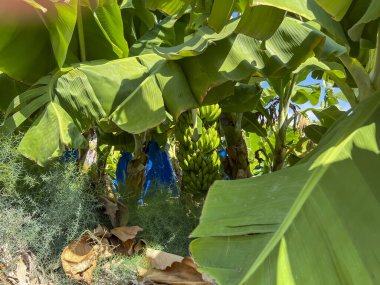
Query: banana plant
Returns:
{"type": "Point", "coordinates": [245, 99]}
{"type": "Point", "coordinates": [269, 229]}
{"type": "Point", "coordinates": [280, 131]}
{"type": "Point", "coordinates": [116, 98]}
{"type": "Point", "coordinates": [274, 226]}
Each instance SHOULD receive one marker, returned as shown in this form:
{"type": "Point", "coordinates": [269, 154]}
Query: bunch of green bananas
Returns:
{"type": "Point", "coordinates": [209, 113]}
{"type": "Point", "coordinates": [197, 154]}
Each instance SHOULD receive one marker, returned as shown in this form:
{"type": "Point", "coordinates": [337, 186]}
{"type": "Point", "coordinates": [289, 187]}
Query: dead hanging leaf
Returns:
{"type": "Point", "coordinates": [79, 258]}
{"type": "Point", "coordinates": [179, 273]}
{"type": "Point", "coordinates": [111, 210]}
{"type": "Point", "coordinates": [117, 212]}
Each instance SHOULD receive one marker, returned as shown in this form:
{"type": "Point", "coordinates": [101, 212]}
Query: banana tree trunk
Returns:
{"type": "Point", "coordinates": [136, 169]}
{"type": "Point", "coordinates": [90, 158]}
{"type": "Point", "coordinates": [236, 165]}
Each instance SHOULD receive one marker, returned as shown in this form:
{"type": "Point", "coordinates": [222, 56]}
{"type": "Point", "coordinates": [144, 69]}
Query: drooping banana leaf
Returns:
{"type": "Point", "coordinates": [137, 20]}
{"type": "Point", "coordinates": [45, 36]}
{"type": "Point", "coordinates": [103, 32]}
{"type": "Point", "coordinates": [280, 51]}
{"type": "Point", "coordinates": [315, 223]}
{"type": "Point", "coordinates": [254, 21]}
{"type": "Point", "coordinates": [198, 42]}
{"type": "Point", "coordinates": [359, 19]}
{"type": "Point", "coordinates": [304, 94]}
{"type": "Point", "coordinates": [51, 133]}
{"type": "Point", "coordinates": [337, 9]}
{"type": "Point", "coordinates": [163, 33]}
{"type": "Point", "coordinates": [34, 39]}
{"type": "Point", "coordinates": [9, 89]}
{"type": "Point", "coordinates": [244, 99]}
{"type": "Point", "coordinates": [370, 14]}
{"type": "Point", "coordinates": [220, 14]}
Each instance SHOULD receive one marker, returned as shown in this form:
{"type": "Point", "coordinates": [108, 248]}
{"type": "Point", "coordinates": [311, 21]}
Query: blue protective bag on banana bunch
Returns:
{"type": "Point", "coordinates": [159, 170]}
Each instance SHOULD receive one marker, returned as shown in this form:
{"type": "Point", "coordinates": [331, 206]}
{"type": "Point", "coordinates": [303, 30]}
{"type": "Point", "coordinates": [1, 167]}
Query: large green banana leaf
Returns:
{"type": "Point", "coordinates": [315, 223]}
{"type": "Point", "coordinates": [103, 32]}
{"type": "Point", "coordinates": [39, 35]}
{"type": "Point", "coordinates": [359, 19]}
{"type": "Point", "coordinates": [36, 39]}
{"type": "Point", "coordinates": [9, 89]}
{"type": "Point", "coordinates": [167, 6]}
{"type": "Point", "coordinates": [52, 132]}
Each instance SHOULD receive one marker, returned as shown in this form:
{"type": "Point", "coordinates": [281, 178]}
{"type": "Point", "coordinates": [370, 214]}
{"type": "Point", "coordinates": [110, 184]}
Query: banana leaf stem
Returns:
{"type": "Point", "coordinates": [375, 75]}
{"type": "Point", "coordinates": [82, 45]}
{"type": "Point", "coordinates": [360, 76]}
{"type": "Point", "coordinates": [279, 154]}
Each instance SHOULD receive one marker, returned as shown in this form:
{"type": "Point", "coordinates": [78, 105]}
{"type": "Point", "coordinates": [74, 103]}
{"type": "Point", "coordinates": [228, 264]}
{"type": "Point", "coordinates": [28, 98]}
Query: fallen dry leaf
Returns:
{"type": "Point", "coordinates": [160, 259]}
{"type": "Point", "coordinates": [126, 233]}
{"type": "Point", "coordinates": [179, 273]}
{"type": "Point", "coordinates": [102, 232]}
{"type": "Point", "coordinates": [22, 272]}
{"type": "Point", "coordinates": [139, 246]}
{"type": "Point", "coordinates": [27, 272]}
{"type": "Point", "coordinates": [79, 258]}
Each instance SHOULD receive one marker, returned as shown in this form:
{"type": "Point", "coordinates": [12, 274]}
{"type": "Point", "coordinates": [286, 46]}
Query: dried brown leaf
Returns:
{"type": "Point", "coordinates": [126, 233]}
{"type": "Point", "coordinates": [102, 232]}
{"type": "Point", "coordinates": [111, 210]}
{"type": "Point", "coordinates": [160, 260]}
{"type": "Point", "coordinates": [79, 259]}
{"type": "Point", "coordinates": [139, 246]}
{"type": "Point", "coordinates": [179, 273]}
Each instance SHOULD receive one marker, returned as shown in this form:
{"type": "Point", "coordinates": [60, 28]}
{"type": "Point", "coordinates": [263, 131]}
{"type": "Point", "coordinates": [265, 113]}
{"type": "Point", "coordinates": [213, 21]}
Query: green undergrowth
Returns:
{"type": "Point", "coordinates": [42, 209]}
{"type": "Point", "coordinates": [118, 270]}
{"type": "Point", "coordinates": [167, 221]}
